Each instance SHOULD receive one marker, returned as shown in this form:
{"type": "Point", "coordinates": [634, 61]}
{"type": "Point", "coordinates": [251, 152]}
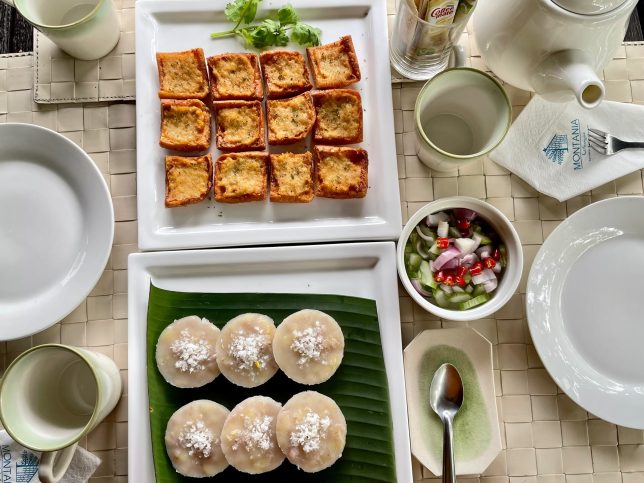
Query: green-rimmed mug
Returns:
{"type": "Point", "coordinates": [51, 396]}
{"type": "Point", "coordinates": [85, 29]}
{"type": "Point", "coordinates": [461, 115]}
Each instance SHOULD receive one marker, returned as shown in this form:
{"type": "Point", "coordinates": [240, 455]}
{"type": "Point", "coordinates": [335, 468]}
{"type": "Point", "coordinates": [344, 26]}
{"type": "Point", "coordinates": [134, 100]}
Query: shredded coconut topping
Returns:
{"type": "Point", "coordinates": [250, 350]}
{"type": "Point", "coordinates": [191, 353]}
{"type": "Point", "coordinates": [310, 432]}
{"type": "Point", "coordinates": [197, 439]}
{"type": "Point", "coordinates": [308, 344]}
{"type": "Point", "coordinates": [256, 434]}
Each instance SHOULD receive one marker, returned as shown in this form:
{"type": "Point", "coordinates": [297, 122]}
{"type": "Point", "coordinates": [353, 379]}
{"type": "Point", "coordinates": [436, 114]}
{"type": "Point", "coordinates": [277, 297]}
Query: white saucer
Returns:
{"type": "Point", "coordinates": [56, 228]}
{"type": "Point", "coordinates": [585, 306]}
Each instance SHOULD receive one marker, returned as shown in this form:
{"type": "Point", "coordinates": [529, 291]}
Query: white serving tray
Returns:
{"type": "Point", "coordinates": [173, 25]}
{"type": "Point", "coordinates": [363, 270]}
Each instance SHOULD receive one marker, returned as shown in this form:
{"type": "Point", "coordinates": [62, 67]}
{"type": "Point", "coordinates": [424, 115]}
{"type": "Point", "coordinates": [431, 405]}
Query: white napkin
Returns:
{"type": "Point", "coordinates": [20, 465]}
{"type": "Point", "coordinates": [547, 146]}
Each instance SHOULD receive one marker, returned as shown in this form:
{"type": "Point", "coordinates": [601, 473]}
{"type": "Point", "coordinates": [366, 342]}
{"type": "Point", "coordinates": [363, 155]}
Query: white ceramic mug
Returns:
{"type": "Point", "coordinates": [460, 115]}
{"type": "Point", "coordinates": [51, 396]}
{"type": "Point", "coordinates": [85, 29]}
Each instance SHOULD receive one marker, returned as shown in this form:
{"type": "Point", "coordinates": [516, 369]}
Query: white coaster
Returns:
{"type": "Point", "coordinates": [61, 78]}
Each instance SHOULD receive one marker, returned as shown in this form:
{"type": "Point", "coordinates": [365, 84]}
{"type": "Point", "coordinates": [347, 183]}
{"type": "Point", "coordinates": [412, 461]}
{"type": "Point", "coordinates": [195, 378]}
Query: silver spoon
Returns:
{"type": "Point", "coordinates": [446, 398]}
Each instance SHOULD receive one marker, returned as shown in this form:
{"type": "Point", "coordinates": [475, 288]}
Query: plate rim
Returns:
{"type": "Point", "coordinates": [389, 221]}
{"type": "Point", "coordinates": [553, 365]}
{"type": "Point", "coordinates": [72, 301]}
{"type": "Point", "coordinates": [140, 268]}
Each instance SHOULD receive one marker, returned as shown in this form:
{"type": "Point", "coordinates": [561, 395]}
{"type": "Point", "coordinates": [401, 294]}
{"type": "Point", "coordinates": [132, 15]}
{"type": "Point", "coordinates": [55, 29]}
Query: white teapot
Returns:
{"type": "Point", "coordinates": [552, 47]}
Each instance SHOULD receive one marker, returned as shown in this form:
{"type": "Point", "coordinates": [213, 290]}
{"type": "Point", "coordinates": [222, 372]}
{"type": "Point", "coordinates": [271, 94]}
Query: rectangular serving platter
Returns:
{"type": "Point", "coordinates": [173, 25]}
{"type": "Point", "coordinates": [365, 270]}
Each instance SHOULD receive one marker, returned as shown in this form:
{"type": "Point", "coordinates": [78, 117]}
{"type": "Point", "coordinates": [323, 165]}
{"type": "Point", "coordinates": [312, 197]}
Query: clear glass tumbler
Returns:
{"type": "Point", "coordinates": [419, 49]}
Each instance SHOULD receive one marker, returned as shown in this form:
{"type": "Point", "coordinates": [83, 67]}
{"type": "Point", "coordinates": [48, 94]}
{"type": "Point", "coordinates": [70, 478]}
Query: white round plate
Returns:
{"type": "Point", "coordinates": [585, 306]}
{"type": "Point", "coordinates": [56, 228]}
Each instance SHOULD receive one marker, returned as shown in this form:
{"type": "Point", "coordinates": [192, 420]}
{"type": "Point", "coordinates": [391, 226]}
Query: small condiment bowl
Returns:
{"type": "Point", "coordinates": [500, 224]}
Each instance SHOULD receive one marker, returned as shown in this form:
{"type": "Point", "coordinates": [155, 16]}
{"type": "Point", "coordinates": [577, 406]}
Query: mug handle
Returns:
{"type": "Point", "coordinates": [458, 51]}
{"type": "Point", "coordinates": [54, 464]}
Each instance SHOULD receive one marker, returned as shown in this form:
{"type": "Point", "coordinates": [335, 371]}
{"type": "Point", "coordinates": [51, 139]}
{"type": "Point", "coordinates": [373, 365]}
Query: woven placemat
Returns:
{"type": "Point", "coordinates": [546, 437]}
{"type": "Point", "coordinates": [59, 78]}
{"type": "Point", "coordinates": [106, 132]}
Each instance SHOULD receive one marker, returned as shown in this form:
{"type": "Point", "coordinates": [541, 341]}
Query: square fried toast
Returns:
{"type": "Point", "coordinates": [185, 125]}
{"type": "Point", "coordinates": [290, 120]}
{"type": "Point", "coordinates": [285, 73]}
{"type": "Point", "coordinates": [182, 75]}
{"type": "Point", "coordinates": [334, 65]}
{"type": "Point", "coordinates": [240, 125]}
{"type": "Point", "coordinates": [187, 179]}
{"type": "Point", "coordinates": [341, 172]}
{"type": "Point", "coordinates": [235, 76]}
{"type": "Point", "coordinates": [338, 116]}
{"type": "Point", "coordinates": [291, 178]}
{"type": "Point", "coordinates": [241, 177]}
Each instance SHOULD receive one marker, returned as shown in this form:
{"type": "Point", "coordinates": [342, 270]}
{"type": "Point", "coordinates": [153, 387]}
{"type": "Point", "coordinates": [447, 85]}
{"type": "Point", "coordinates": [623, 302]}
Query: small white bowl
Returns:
{"type": "Point", "coordinates": [511, 275]}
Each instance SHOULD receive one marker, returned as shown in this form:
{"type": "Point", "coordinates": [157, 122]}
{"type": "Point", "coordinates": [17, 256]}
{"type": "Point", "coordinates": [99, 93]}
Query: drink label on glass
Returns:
{"type": "Point", "coordinates": [441, 12]}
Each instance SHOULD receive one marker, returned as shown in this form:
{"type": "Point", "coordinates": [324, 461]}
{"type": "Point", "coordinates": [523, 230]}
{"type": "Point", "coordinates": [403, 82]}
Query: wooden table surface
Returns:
{"type": "Point", "coordinates": [17, 36]}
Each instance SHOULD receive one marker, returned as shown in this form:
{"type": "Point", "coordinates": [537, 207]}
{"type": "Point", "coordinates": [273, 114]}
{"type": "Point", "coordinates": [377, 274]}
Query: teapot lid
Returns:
{"type": "Point", "coordinates": [589, 7]}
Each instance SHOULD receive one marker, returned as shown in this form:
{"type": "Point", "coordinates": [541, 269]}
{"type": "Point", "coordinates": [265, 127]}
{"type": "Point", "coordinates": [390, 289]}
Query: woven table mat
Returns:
{"type": "Point", "coordinates": [546, 437]}
{"type": "Point", "coordinates": [106, 132]}
{"type": "Point", "coordinates": [59, 78]}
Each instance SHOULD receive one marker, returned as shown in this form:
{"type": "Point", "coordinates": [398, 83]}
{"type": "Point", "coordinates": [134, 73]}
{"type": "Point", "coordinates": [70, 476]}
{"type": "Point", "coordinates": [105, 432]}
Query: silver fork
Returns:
{"type": "Point", "coordinates": [604, 143]}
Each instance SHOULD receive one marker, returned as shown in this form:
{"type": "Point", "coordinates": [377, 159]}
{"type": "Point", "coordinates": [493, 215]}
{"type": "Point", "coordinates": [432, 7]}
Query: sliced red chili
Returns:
{"type": "Point", "coordinates": [439, 276]}
{"type": "Point", "coordinates": [460, 281]}
{"type": "Point", "coordinates": [463, 224]}
{"type": "Point", "coordinates": [476, 269]}
{"type": "Point", "coordinates": [449, 280]}
{"type": "Point", "coordinates": [489, 262]}
{"type": "Point", "coordinates": [461, 271]}
{"type": "Point", "coordinates": [442, 242]}
{"type": "Point", "coordinates": [496, 254]}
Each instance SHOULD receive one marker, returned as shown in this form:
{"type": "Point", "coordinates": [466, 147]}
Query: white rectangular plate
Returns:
{"type": "Point", "coordinates": [173, 25]}
{"type": "Point", "coordinates": [363, 270]}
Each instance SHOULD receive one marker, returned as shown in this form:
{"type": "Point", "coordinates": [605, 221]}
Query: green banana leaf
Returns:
{"type": "Point", "coordinates": [359, 386]}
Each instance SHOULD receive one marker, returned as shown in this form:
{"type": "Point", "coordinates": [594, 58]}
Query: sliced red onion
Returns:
{"type": "Point", "coordinates": [484, 252]}
{"type": "Point", "coordinates": [484, 276]}
{"type": "Point", "coordinates": [427, 238]}
{"type": "Point", "coordinates": [464, 214]}
{"type": "Point", "coordinates": [465, 245]}
{"type": "Point", "coordinates": [421, 250]}
{"type": "Point", "coordinates": [419, 289]}
{"type": "Point", "coordinates": [446, 288]}
{"type": "Point", "coordinates": [490, 285]}
{"type": "Point", "coordinates": [445, 257]}
{"type": "Point", "coordinates": [443, 229]}
{"type": "Point", "coordinates": [435, 218]}
{"type": "Point", "coordinates": [469, 259]}
{"type": "Point", "coordinates": [452, 264]}
{"type": "Point", "coordinates": [497, 268]}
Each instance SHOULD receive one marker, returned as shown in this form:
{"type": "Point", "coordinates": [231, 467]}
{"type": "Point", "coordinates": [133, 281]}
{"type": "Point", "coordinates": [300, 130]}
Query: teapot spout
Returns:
{"type": "Point", "coordinates": [569, 72]}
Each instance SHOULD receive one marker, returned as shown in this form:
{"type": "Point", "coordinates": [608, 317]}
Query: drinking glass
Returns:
{"type": "Point", "coordinates": [419, 49]}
